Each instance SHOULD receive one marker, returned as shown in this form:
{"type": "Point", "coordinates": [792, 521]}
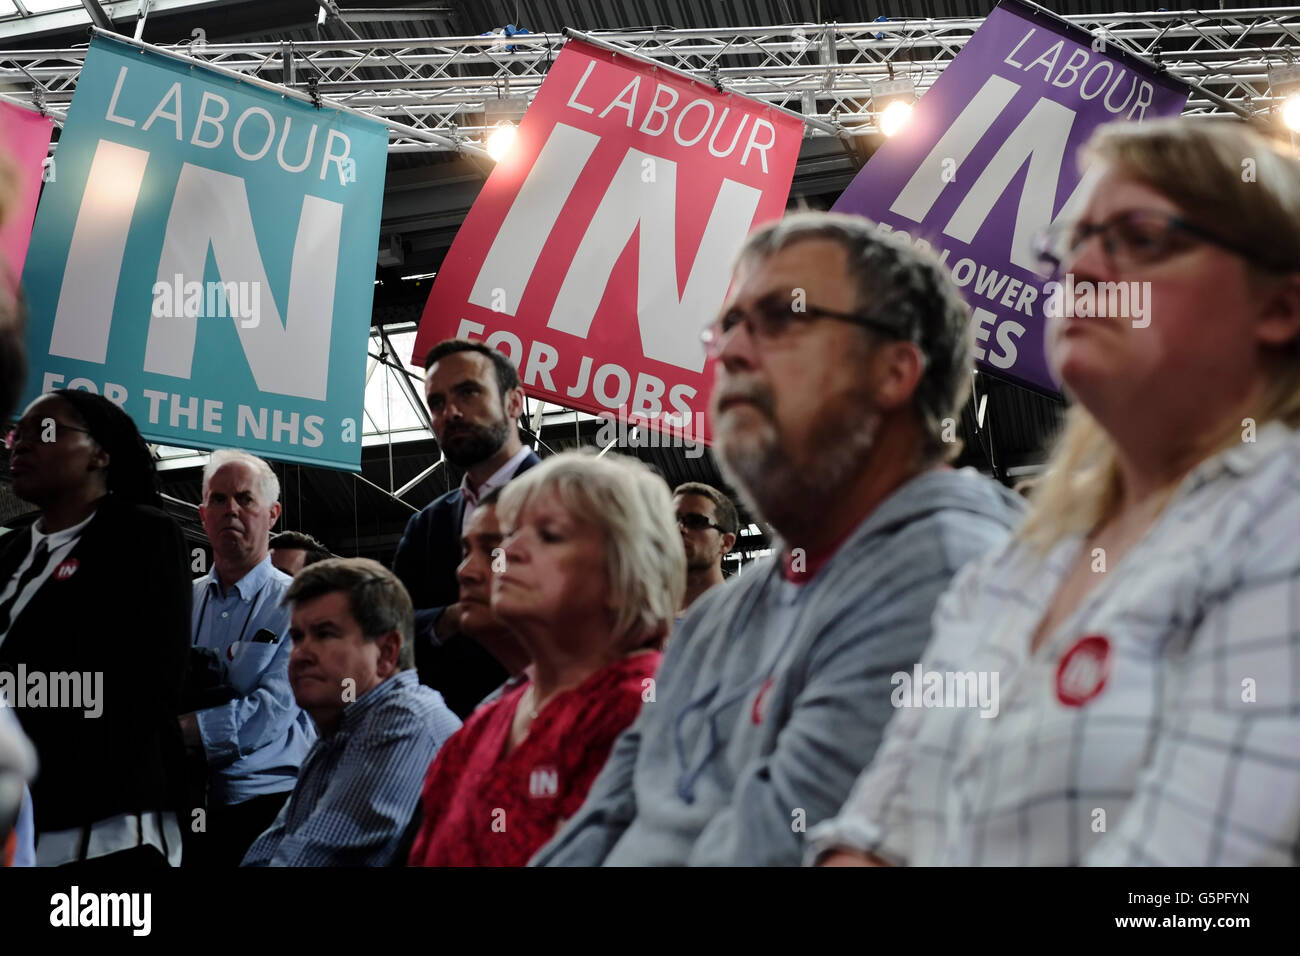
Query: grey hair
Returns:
{"type": "Point", "coordinates": [902, 286]}
{"type": "Point", "coordinates": [268, 484]}
{"type": "Point", "coordinates": [645, 563]}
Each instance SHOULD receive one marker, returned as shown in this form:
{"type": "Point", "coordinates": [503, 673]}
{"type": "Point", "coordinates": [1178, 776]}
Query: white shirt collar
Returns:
{"type": "Point", "coordinates": [58, 538]}
{"type": "Point", "coordinates": [499, 477]}
{"type": "Point", "coordinates": [1240, 459]}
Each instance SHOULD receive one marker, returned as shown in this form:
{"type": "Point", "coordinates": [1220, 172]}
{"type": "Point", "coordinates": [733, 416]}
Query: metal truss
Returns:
{"type": "Point", "coordinates": [434, 92]}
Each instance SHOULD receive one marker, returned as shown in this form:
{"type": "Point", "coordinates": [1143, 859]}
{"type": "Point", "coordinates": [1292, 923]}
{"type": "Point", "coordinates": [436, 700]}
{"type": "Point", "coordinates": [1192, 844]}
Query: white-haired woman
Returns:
{"type": "Point", "coordinates": [1144, 625]}
{"type": "Point", "coordinates": [592, 575]}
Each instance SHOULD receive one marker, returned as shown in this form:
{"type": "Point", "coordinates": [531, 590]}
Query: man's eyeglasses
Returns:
{"type": "Point", "coordinates": [772, 318]}
{"type": "Point", "coordinates": [693, 521]}
{"type": "Point", "coordinates": [1139, 237]}
{"type": "Point", "coordinates": [31, 434]}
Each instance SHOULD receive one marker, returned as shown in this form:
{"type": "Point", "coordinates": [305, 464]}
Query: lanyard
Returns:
{"type": "Point", "coordinates": [687, 776]}
{"type": "Point", "coordinates": [207, 593]}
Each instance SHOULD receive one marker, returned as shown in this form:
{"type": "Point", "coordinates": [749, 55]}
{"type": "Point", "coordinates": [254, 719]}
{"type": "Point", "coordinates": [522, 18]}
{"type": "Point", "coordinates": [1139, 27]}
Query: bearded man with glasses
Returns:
{"type": "Point", "coordinates": [841, 354]}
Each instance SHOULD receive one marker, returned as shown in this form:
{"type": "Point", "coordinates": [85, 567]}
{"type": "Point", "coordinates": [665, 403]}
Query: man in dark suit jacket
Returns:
{"type": "Point", "coordinates": [474, 400]}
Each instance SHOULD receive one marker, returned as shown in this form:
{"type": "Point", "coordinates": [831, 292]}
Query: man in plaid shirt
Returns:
{"type": "Point", "coordinates": [379, 728]}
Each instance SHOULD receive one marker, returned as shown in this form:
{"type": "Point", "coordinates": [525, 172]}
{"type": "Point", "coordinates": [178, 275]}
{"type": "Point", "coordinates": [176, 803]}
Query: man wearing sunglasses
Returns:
{"type": "Point", "coordinates": [843, 358]}
{"type": "Point", "coordinates": [707, 520]}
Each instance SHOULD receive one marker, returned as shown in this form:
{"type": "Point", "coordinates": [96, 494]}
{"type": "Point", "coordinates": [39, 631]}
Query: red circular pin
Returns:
{"type": "Point", "coordinates": [67, 569]}
{"type": "Point", "coordinates": [759, 710]}
{"type": "Point", "coordinates": [1083, 670]}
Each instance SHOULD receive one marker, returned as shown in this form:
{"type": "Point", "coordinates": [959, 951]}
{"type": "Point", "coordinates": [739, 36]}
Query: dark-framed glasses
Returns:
{"type": "Point", "coordinates": [772, 318]}
{"type": "Point", "coordinates": [1136, 238]}
{"type": "Point", "coordinates": [694, 521]}
{"type": "Point", "coordinates": [34, 432]}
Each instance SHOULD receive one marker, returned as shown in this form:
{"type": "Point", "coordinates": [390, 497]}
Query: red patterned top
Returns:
{"type": "Point", "coordinates": [481, 809]}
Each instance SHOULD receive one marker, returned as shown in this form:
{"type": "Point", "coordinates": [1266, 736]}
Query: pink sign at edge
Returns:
{"type": "Point", "coordinates": [25, 139]}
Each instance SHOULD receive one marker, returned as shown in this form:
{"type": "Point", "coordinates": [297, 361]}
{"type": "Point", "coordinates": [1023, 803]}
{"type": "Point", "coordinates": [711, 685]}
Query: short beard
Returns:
{"type": "Point", "coordinates": [476, 443]}
{"type": "Point", "coordinates": [700, 563]}
{"type": "Point", "coordinates": [777, 488]}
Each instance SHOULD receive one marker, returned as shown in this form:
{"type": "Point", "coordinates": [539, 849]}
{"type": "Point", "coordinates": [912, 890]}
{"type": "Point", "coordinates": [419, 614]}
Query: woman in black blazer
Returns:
{"type": "Point", "coordinates": [115, 602]}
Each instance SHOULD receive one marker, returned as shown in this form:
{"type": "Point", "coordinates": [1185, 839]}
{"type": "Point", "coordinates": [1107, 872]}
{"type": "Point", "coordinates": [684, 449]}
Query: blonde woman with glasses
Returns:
{"type": "Point", "coordinates": [1144, 624]}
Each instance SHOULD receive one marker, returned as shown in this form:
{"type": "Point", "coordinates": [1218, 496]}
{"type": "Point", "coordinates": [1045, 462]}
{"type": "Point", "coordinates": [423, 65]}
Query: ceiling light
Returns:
{"type": "Point", "coordinates": [1284, 85]}
{"type": "Point", "coordinates": [1291, 112]}
{"type": "Point", "coordinates": [501, 139]}
{"type": "Point", "coordinates": [895, 117]}
{"type": "Point", "coordinates": [892, 102]}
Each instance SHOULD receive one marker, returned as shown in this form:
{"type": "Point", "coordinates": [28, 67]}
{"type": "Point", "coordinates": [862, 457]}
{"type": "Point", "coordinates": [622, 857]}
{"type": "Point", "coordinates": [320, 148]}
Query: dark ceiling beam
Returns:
{"type": "Point", "coordinates": [392, 14]}
{"type": "Point", "coordinates": [97, 15]}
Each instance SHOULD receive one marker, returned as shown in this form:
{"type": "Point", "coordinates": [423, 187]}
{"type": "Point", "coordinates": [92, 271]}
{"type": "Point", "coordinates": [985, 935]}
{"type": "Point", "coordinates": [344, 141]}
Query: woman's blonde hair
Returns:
{"type": "Point", "coordinates": [1247, 189]}
{"type": "Point", "coordinates": [645, 564]}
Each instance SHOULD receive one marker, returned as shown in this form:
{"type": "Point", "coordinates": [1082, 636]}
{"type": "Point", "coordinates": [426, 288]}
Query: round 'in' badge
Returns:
{"type": "Point", "coordinates": [67, 569]}
{"type": "Point", "coordinates": [1083, 670]}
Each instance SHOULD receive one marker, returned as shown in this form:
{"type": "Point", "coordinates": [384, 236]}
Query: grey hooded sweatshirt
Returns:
{"type": "Point", "coordinates": [773, 696]}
